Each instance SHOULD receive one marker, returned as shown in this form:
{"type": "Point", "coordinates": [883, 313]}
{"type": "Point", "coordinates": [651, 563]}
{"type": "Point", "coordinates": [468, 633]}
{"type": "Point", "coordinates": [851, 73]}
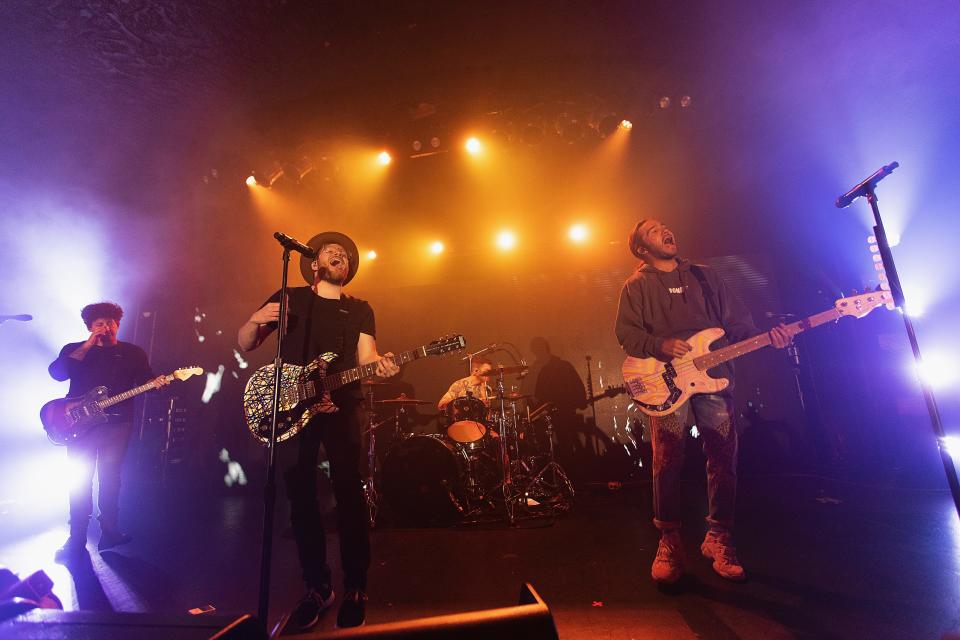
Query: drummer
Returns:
{"type": "Point", "coordinates": [474, 385]}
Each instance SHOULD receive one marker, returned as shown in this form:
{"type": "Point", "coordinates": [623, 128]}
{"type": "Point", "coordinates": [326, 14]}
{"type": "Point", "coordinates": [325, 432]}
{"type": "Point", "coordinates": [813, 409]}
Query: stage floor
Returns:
{"type": "Point", "coordinates": [825, 560]}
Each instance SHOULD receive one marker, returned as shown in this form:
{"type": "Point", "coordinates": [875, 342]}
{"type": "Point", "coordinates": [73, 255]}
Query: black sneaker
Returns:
{"type": "Point", "coordinates": [353, 609]}
{"type": "Point", "coordinates": [110, 539]}
{"type": "Point", "coordinates": [307, 612]}
{"type": "Point", "coordinates": [73, 548]}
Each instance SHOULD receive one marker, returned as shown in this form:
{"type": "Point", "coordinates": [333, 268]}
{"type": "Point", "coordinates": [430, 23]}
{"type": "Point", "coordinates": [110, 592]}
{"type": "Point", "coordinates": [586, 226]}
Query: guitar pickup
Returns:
{"type": "Point", "coordinates": [636, 387]}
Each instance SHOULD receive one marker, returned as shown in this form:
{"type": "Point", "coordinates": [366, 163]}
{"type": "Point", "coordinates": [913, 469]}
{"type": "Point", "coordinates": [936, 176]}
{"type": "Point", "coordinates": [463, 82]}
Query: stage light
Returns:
{"type": "Point", "coordinates": [951, 444]}
{"type": "Point", "coordinates": [578, 233]}
{"type": "Point", "coordinates": [506, 240]}
{"type": "Point", "coordinates": [473, 146]}
{"type": "Point", "coordinates": [384, 158]}
{"type": "Point", "coordinates": [435, 142]}
{"type": "Point", "coordinates": [685, 102]}
{"type": "Point", "coordinates": [251, 180]}
{"type": "Point", "coordinates": [939, 370]}
{"type": "Point", "coordinates": [626, 125]}
{"type": "Point", "coordinates": [913, 309]}
{"type": "Point", "coordinates": [436, 248]}
{"type": "Point", "coordinates": [417, 145]}
{"type": "Point", "coordinates": [371, 255]}
{"type": "Point", "coordinates": [665, 102]}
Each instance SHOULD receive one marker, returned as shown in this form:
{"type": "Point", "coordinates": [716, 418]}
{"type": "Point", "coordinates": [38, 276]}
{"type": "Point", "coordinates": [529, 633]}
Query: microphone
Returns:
{"type": "Point", "coordinates": [292, 244]}
{"type": "Point", "coordinates": [866, 185]}
{"type": "Point", "coordinates": [23, 317]}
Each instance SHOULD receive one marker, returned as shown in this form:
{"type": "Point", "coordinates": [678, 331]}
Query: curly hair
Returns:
{"type": "Point", "coordinates": [91, 312]}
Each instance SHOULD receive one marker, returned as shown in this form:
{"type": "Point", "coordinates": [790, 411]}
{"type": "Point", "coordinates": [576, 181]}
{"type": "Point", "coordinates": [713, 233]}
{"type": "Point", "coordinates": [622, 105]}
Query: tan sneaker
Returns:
{"type": "Point", "coordinates": [718, 546]}
{"type": "Point", "coordinates": [668, 565]}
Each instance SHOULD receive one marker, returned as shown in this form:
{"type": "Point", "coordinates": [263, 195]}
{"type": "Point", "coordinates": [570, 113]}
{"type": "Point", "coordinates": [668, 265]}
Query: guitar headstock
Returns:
{"type": "Point", "coordinates": [446, 344]}
{"type": "Point", "coordinates": [185, 373]}
{"type": "Point", "coordinates": [860, 305]}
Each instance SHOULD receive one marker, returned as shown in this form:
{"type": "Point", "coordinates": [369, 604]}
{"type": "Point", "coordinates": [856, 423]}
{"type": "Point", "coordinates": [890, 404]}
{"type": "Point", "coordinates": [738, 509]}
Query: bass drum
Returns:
{"type": "Point", "coordinates": [422, 481]}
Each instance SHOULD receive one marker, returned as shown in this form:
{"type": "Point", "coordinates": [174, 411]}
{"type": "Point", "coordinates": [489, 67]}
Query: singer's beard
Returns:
{"type": "Point", "coordinates": [333, 277]}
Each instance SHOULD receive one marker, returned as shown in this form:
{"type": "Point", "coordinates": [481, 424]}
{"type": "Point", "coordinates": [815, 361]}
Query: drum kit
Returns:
{"type": "Point", "coordinates": [488, 462]}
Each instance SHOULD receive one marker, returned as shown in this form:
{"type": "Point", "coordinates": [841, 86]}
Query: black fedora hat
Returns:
{"type": "Point", "coordinates": [331, 237]}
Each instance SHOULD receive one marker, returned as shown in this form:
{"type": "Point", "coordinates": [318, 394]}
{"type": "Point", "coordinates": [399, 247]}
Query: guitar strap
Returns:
{"type": "Point", "coordinates": [713, 307]}
{"type": "Point", "coordinates": [344, 319]}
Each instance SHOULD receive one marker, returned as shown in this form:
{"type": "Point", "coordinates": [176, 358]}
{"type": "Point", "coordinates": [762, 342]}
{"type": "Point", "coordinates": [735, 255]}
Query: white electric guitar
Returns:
{"type": "Point", "coordinates": [660, 388]}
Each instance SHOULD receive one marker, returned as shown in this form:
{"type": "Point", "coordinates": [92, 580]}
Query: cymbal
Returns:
{"type": "Point", "coordinates": [505, 370]}
{"type": "Point", "coordinates": [516, 396]}
{"type": "Point", "coordinates": [402, 400]}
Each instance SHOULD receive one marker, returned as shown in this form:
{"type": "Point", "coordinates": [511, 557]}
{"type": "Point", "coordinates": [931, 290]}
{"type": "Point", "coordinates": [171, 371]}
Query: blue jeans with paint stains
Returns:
{"type": "Point", "coordinates": [713, 415]}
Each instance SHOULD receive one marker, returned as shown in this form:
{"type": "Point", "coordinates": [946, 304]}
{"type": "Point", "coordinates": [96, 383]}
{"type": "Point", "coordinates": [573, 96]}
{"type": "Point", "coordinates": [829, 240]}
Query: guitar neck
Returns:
{"type": "Point", "coordinates": [126, 395]}
{"type": "Point", "coordinates": [337, 380]}
{"type": "Point", "coordinates": [714, 358]}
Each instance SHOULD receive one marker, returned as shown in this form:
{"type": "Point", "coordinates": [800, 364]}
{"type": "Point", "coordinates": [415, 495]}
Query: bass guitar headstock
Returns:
{"type": "Point", "coordinates": [860, 305]}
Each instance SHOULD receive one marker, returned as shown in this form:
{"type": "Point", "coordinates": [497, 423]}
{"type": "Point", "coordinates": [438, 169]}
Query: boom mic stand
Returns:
{"type": "Point", "coordinates": [270, 487]}
{"type": "Point", "coordinates": [867, 188]}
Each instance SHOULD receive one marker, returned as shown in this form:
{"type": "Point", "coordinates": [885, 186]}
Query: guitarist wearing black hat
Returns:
{"type": "Point", "coordinates": [321, 318]}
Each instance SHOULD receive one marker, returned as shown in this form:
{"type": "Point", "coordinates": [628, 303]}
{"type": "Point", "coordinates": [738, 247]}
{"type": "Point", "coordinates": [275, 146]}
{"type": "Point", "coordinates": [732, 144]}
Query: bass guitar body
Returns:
{"type": "Point", "coordinates": [660, 388]}
{"type": "Point", "coordinates": [67, 419]}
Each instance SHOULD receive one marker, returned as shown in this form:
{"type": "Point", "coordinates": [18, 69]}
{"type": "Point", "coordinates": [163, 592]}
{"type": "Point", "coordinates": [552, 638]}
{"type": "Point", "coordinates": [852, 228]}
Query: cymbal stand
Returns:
{"type": "Point", "coordinates": [551, 481]}
{"type": "Point", "coordinates": [506, 438]}
{"type": "Point", "coordinates": [370, 495]}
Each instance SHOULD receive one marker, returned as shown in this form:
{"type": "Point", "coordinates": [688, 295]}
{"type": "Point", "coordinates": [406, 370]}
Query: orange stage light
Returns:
{"type": "Point", "coordinates": [506, 240]}
{"type": "Point", "coordinates": [578, 233]}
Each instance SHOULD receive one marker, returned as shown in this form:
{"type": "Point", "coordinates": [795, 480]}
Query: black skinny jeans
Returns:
{"type": "Point", "coordinates": [340, 435]}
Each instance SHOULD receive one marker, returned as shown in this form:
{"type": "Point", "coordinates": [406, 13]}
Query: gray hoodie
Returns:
{"type": "Point", "coordinates": [655, 305]}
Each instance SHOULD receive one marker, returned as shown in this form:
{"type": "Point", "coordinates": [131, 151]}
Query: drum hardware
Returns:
{"type": "Point", "coordinates": [501, 370]}
{"type": "Point", "coordinates": [483, 466]}
{"type": "Point", "coordinates": [402, 400]}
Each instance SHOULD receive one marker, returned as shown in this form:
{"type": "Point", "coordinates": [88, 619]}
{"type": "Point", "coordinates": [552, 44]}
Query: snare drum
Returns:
{"type": "Point", "coordinates": [467, 417]}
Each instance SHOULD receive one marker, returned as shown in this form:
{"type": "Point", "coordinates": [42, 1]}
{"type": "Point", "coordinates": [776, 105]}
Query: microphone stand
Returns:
{"type": "Point", "coordinates": [897, 291]}
{"type": "Point", "coordinates": [270, 487]}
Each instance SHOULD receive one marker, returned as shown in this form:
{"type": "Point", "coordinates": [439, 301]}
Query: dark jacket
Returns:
{"type": "Point", "coordinates": [655, 305]}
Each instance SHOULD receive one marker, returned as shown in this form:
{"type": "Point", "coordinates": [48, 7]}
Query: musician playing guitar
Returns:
{"type": "Point", "coordinates": [104, 360]}
{"type": "Point", "coordinates": [323, 319]}
{"type": "Point", "coordinates": [664, 302]}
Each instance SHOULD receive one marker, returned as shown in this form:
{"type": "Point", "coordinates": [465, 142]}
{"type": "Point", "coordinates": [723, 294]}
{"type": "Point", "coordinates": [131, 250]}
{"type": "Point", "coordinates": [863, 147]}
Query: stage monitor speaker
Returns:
{"type": "Point", "coordinates": [48, 624]}
{"type": "Point", "coordinates": [529, 620]}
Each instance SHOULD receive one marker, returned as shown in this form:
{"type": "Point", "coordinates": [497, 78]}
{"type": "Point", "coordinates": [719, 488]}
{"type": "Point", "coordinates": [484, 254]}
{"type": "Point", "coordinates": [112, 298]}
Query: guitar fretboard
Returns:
{"type": "Point", "coordinates": [126, 395]}
{"type": "Point", "coordinates": [337, 380]}
{"type": "Point", "coordinates": [714, 358]}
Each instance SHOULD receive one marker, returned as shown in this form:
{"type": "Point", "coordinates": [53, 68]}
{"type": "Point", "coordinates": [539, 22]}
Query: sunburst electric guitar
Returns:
{"type": "Point", "coordinates": [66, 420]}
{"type": "Point", "coordinates": [305, 390]}
{"type": "Point", "coordinates": [660, 388]}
